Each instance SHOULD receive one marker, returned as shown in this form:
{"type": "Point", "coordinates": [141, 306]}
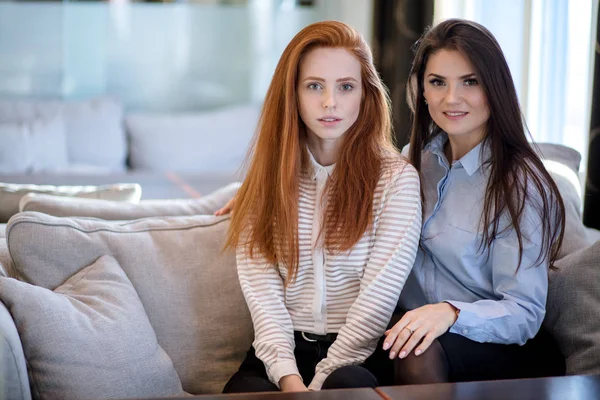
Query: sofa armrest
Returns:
{"type": "Point", "coordinates": [113, 210]}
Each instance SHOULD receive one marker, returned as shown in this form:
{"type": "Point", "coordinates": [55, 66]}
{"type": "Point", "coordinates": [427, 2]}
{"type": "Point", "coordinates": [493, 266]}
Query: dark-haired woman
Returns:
{"type": "Point", "coordinates": [493, 221]}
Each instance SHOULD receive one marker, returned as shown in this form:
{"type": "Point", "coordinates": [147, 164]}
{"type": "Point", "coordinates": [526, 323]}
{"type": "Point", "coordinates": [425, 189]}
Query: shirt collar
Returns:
{"type": "Point", "coordinates": [315, 169]}
{"type": "Point", "coordinates": [470, 161]}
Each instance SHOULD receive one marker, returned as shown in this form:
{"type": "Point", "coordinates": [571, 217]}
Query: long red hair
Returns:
{"type": "Point", "coordinates": [266, 210]}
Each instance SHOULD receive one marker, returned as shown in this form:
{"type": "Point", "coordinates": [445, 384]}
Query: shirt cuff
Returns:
{"type": "Point", "coordinates": [317, 381]}
{"type": "Point", "coordinates": [471, 324]}
{"type": "Point", "coordinates": [280, 369]}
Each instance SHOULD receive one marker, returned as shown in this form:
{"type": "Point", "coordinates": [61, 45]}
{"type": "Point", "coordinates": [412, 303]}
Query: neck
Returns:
{"type": "Point", "coordinates": [324, 151]}
{"type": "Point", "coordinates": [456, 148]}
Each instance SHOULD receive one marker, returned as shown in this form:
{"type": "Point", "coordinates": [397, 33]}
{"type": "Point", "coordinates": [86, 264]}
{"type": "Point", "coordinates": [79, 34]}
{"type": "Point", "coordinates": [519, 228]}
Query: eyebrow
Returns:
{"type": "Point", "coordinates": [472, 74]}
{"type": "Point", "coordinates": [315, 78]}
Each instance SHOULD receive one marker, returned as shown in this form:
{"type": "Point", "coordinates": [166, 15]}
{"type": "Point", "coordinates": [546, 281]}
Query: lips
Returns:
{"type": "Point", "coordinates": [329, 119]}
{"type": "Point", "coordinates": [455, 115]}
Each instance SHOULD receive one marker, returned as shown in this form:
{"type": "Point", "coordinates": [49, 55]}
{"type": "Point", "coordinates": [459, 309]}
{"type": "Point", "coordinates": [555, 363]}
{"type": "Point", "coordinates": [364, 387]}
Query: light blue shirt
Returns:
{"type": "Point", "coordinates": [497, 302]}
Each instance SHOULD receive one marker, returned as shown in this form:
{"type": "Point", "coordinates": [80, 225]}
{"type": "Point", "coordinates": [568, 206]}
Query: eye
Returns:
{"type": "Point", "coordinates": [471, 82]}
{"type": "Point", "coordinates": [346, 87]}
{"type": "Point", "coordinates": [314, 86]}
{"type": "Point", "coordinates": [437, 82]}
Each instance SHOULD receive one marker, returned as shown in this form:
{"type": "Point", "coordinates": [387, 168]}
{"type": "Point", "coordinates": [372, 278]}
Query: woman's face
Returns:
{"type": "Point", "coordinates": [329, 93]}
{"type": "Point", "coordinates": [456, 101]}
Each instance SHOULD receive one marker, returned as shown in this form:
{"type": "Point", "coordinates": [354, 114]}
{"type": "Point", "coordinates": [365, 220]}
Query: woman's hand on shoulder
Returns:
{"type": "Point", "coordinates": [419, 328]}
{"type": "Point", "coordinates": [227, 208]}
{"type": "Point", "coordinates": [292, 383]}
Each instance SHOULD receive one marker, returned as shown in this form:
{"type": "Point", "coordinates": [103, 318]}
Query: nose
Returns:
{"type": "Point", "coordinates": [454, 94]}
{"type": "Point", "coordinates": [329, 100]}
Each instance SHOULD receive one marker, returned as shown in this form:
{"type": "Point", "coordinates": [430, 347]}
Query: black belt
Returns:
{"type": "Point", "coordinates": [313, 337]}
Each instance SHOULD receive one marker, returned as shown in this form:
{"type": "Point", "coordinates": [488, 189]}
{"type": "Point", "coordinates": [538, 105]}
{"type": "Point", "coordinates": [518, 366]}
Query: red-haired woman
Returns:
{"type": "Point", "coordinates": [327, 220]}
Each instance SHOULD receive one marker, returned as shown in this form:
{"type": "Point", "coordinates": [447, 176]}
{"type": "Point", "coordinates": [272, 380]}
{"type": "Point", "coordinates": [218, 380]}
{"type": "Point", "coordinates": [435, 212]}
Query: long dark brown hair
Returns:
{"type": "Point", "coordinates": [517, 177]}
{"type": "Point", "coordinates": [267, 202]}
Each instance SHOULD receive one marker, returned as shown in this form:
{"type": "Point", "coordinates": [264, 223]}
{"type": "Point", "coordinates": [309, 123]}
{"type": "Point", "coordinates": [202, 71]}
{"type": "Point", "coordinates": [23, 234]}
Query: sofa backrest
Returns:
{"type": "Point", "coordinates": [187, 284]}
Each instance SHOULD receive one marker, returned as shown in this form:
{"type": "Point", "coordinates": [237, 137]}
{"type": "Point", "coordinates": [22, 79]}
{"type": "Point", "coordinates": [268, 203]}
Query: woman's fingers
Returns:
{"type": "Point", "coordinates": [401, 339]}
{"type": "Point", "coordinates": [427, 340]}
{"type": "Point", "coordinates": [418, 328]}
{"type": "Point", "coordinates": [414, 339]}
{"type": "Point", "coordinates": [392, 334]}
{"type": "Point", "coordinates": [227, 208]}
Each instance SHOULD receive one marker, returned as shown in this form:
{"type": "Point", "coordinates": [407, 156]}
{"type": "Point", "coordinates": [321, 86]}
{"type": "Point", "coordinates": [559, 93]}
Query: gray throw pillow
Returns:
{"type": "Point", "coordinates": [573, 309]}
{"type": "Point", "coordinates": [89, 338]}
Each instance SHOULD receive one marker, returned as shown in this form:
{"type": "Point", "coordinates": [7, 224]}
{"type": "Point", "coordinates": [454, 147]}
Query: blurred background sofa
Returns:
{"type": "Point", "coordinates": [93, 149]}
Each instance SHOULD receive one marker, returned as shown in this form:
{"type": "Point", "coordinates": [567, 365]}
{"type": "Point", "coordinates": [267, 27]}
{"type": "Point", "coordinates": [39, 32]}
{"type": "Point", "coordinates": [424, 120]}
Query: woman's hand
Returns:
{"type": "Point", "coordinates": [227, 208]}
{"type": "Point", "coordinates": [292, 383]}
{"type": "Point", "coordinates": [421, 325]}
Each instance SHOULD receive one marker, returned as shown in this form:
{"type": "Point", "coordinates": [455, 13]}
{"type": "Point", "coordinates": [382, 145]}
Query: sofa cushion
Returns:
{"type": "Point", "coordinates": [32, 146]}
{"type": "Point", "coordinates": [11, 194]}
{"type": "Point", "coordinates": [563, 165]}
{"type": "Point", "coordinates": [94, 127]}
{"type": "Point", "coordinates": [89, 338]}
{"type": "Point", "coordinates": [208, 141]}
{"type": "Point", "coordinates": [95, 133]}
{"type": "Point", "coordinates": [573, 309]}
{"type": "Point", "coordinates": [186, 282]}
{"type": "Point", "coordinates": [113, 210]}
{"type": "Point", "coordinates": [15, 383]}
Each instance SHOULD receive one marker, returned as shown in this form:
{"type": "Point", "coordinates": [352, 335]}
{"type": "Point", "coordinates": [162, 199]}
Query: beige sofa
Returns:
{"type": "Point", "coordinates": [116, 309]}
{"type": "Point", "coordinates": [151, 307]}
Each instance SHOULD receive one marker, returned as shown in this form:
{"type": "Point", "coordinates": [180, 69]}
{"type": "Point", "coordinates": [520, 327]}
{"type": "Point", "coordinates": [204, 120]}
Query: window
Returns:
{"type": "Point", "coordinates": [548, 47]}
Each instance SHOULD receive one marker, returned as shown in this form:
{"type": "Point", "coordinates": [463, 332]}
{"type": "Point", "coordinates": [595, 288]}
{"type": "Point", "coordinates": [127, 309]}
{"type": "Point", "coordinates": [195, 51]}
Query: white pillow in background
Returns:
{"type": "Point", "coordinates": [204, 142]}
{"type": "Point", "coordinates": [24, 110]}
{"type": "Point", "coordinates": [11, 194]}
{"type": "Point", "coordinates": [95, 134]}
{"type": "Point", "coordinates": [33, 146]}
{"type": "Point", "coordinates": [16, 151]}
{"type": "Point", "coordinates": [93, 128]}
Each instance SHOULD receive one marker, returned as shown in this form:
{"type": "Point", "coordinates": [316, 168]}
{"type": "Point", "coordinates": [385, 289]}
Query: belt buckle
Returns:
{"type": "Point", "coordinates": [306, 338]}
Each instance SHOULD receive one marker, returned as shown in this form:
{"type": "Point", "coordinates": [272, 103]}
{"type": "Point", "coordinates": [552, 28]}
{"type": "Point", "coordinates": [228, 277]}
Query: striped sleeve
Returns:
{"type": "Point", "coordinates": [273, 330]}
{"type": "Point", "coordinates": [392, 256]}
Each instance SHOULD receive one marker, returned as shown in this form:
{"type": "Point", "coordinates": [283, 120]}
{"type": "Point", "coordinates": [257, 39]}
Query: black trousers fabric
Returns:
{"type": "Point", "coordinates": [474, 361]}
{"type": "Point", "coordinates": [468, 360]}
{"type": "Point", "coordinates": [252, 376]}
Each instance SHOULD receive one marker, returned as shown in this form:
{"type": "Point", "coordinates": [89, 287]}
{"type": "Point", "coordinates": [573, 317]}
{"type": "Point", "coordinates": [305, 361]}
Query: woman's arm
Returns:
{"type": "Point", "coordinates": [518, 315]}
{"type": "Point", "coordinates": [512, 318]}
{"type": "Point", "coordinates": [273, 330]}
{"type": "Point", "coordinates": [392, 257]}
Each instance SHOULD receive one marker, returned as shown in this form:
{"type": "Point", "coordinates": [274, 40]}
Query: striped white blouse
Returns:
{"type": "Point", "coordinates": [352, 293]}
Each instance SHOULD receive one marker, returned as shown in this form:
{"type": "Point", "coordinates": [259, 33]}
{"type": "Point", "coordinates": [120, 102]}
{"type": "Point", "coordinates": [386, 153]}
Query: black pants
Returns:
{"type": "Point", "coordinates": [474, 361]}
{"type": "Point", "coordinates": [252, 376]}
{"type": "Point", "coordinates": [467, 360]}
